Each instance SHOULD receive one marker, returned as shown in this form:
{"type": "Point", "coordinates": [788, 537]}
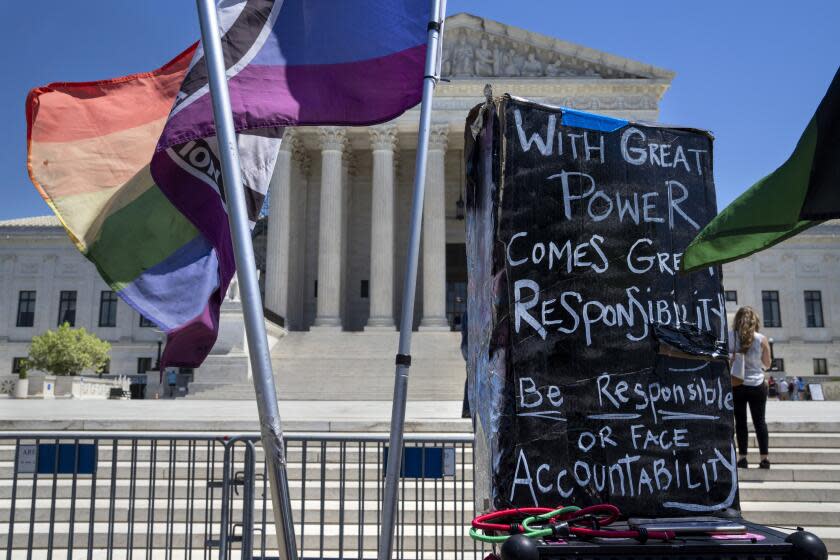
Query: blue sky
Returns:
{"type": "Point", "coordinates": [752, 72]}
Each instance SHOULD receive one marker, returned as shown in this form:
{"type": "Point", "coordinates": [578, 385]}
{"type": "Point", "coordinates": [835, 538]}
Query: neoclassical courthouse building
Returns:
{"type": "Point", "coordinates": [332, 249]}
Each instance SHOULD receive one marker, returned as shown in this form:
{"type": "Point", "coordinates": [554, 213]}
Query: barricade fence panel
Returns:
{"type": "Point", "coordinates": [127, 496]}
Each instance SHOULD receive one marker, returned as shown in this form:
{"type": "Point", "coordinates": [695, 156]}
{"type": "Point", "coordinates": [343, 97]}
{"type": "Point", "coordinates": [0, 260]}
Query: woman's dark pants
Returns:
{"type": "Point", "coordinates": [756, 398]}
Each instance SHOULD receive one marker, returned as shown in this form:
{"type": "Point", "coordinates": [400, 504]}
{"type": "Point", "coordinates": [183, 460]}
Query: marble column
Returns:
{"type": "Point", "coordinates": [279, 228]}
{"type": "Point", "coordinates": [434, 234]}
{"type": "Point", "coordinates": [383, 140]}
{"type": "Point", "coordinates": [328, 310]}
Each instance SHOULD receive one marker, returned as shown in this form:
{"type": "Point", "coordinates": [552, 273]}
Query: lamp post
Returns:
{"type": "Point", "coordinates": [160, 335]}
{"type": "Point", "coordinates": [772, 358]}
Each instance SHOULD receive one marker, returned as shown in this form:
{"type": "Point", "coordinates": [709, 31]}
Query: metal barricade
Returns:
{"type": "Point", "coordinates": [182, 496]}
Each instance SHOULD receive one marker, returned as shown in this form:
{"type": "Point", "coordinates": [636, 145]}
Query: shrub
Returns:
{"type": "Point", "coordinates": [67, 351]}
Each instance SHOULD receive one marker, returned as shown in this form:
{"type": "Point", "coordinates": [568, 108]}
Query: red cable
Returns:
{"type": "Point", "coordinates": [481, 522]}
{"type": "Point", "coordinates": [611, 512]}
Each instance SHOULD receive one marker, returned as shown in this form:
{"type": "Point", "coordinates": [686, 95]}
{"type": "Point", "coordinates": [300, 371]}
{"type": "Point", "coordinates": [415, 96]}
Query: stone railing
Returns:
{"type": "Point", "coordinates": [45, 386]}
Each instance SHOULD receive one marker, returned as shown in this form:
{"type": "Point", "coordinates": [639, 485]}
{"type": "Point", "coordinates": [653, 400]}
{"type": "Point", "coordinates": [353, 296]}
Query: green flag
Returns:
{"type": "Point", "coordinates": [801, 193]}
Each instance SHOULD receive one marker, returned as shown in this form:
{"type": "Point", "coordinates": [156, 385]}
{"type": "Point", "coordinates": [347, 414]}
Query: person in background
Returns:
{"type": "Point", "coordinates": [172, 381]}
{"type": "Point", "coordinates": [800, 389]}
{"type": "Point", "coordinates": [792, 388]}
{"type": "Point", "coordinates": [771, 386]}
{"type": "Point", "coordinates": [783, 389]}
{"type": "Point", "coordinates": [465, 408]}
{"type": "Point", "coordinates": [750, 353]}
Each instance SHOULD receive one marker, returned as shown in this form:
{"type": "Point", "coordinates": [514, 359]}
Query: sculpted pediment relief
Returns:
{"type": "Point", "coordinates": [27, 267]}
{"type": "Point", "coordinates": [768, 268]}
{"type": "Point", "coordinates": [478, 47]}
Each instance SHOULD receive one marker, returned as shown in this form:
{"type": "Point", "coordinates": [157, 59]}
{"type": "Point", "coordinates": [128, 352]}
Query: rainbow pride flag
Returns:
{"type": "Point", "coordinates": [90, 145]}
{"type": "Point", "coordinates": [130, 165]}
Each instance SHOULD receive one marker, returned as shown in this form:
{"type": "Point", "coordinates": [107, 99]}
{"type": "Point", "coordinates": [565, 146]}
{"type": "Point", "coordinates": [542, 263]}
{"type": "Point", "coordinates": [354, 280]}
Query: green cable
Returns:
{"type": "Point", "coordinates": [529, 532]}
{"type": "Point", "coordinates": [487, 538]}
{"type": "Point", "coordinates": [547, 532]}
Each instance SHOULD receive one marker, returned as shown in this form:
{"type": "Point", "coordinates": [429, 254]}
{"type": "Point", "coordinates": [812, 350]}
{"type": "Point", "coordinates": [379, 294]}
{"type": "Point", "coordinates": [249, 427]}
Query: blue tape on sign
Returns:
{"type": "Point", "coordinates": [579, 119]}
{"type": "Point", "coordinates": [419, 462]}
{"type": "Point", "coordinates": [66, 458]}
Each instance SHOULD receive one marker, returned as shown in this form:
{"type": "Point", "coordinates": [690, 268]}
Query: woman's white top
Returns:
{"type": "Point", "coordinates": [750, 362]}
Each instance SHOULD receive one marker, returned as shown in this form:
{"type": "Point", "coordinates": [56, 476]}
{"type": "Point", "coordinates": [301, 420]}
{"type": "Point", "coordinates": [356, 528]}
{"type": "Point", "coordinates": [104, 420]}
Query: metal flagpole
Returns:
{"type": "Point", "coordinates": [243, 250]}
{"type": "Point", "coordinates": [403, 360]}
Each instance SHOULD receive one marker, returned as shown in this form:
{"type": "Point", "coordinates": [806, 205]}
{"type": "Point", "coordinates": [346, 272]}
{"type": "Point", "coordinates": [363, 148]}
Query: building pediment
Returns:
{"type": "Point", "coordinates": [476, 47]}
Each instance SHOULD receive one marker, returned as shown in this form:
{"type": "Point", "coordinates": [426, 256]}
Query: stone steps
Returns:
{"type": "Point", "coordinates": [371, 452]}
{"type": "Point", "coordinates": [792, 473]}
{"type": "Point", "coordinates": [772, 491]}
{"type": "Point", "coordinates": [183, 489]}
{"type": "Point", "coordinates": [180, 534]}
{"type": "Point", "coordinates": [797, 426]}
{"type": "Point", "coordinates": [797, 455]}
{"type": "Point", "coordinates": [360, 365]}
{"type": "Point", "coordinates": [793, 514]}
{"type": "Point", "coordinates": [802, 487]}
{"type": "Point", "coordinates": [823, 441]}
{"type": "Point", "coordinates": [330, 471]}
{"type": "Point", "coordinates": [354, 511]}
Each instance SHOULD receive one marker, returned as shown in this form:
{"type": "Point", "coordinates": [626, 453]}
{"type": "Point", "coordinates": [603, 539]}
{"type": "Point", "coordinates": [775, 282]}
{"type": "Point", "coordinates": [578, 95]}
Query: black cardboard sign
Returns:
{"type": "Point", "coordinates": [590, 216]}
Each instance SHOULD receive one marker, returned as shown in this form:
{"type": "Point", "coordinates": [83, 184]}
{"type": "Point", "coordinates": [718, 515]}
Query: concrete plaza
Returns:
{"type": "Point", "coordinates": [310, 416]}
{"type": "Point", "coordinates": [224, 416]}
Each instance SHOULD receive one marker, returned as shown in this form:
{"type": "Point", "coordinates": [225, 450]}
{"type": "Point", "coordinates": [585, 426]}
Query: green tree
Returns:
{"type": "Point", "coordinates": [67, 351]}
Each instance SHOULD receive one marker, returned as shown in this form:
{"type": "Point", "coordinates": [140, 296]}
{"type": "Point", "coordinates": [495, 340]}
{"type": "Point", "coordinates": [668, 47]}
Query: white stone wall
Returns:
{"type": "Point", "coordinates": [808, 261]}
{"type": "Point", "coordinates": [43, 259]}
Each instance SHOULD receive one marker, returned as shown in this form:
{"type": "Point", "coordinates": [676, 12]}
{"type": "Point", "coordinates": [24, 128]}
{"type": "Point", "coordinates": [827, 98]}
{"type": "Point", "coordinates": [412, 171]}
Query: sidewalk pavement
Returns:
{"type": "Point", "coordinates": [224, 416]}
{"type": "Point", "coordinates": [307, 416]}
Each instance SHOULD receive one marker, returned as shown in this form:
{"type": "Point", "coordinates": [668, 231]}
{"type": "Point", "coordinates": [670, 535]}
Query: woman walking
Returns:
{"type": "Point", "coordinates": [749, 357]}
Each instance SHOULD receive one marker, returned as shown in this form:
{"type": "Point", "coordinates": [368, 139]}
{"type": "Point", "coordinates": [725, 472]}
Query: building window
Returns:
{"type": "Point", "coordinates": [26, 308]}
{"type": "Point", "coordinates": [67, 308]}
{"type": "Point", "coordinates": [108, 309]}
{"type": "Point", "coordinates": [820, 366]}
{"type": "Point", "coordinates": [365, 290]}
{"type": "Point", "coordinates": [777, 364]}
{"type": "Point", "coordinates": [17, 364]}
{"type": "Point", "coordinates": [144, 365]}
{"type": "Point", "coordinates": [813, 309]}
{"type": "Point", "coordinates": [772, 311]}
{"type": "Point", "coordinates": [731, 296]}
{"type": "Point", "coordinates": [145, 322]}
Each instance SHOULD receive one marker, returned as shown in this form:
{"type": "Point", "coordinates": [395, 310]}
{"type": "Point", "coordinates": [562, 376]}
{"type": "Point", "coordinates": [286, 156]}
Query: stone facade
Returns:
{"type": "Point", "coordinates": [808, 262]}
{"type": "Point", "coordinates": [36, 255]}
